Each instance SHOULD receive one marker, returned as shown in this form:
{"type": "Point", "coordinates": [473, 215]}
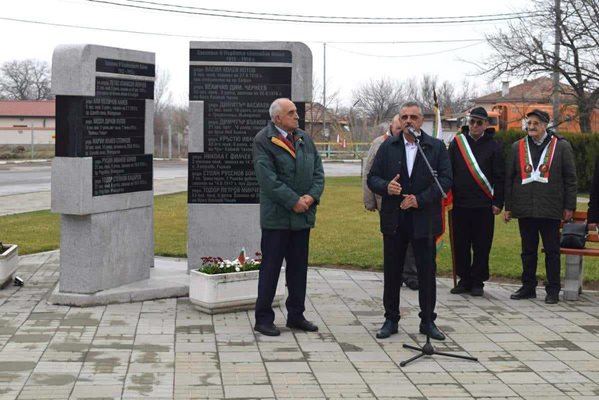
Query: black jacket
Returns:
{"type": "Point", "coordinates": [489, 156]}
{"type": "Point", "coordinates": [390, 161]}
{"type": "Point", "coordinates": [541, 200]}
{"type": "Point", "coordinates": [593, 215]}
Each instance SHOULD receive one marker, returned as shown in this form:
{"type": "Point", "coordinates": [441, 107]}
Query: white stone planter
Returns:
{"type": "Point", "coordinates": [9, 262]}
{"type": "Point", "coordinates": [221, 293]}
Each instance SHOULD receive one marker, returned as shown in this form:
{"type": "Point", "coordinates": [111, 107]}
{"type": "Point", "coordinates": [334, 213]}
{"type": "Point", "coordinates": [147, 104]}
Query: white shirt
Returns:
{"type": "Point", "coordinates": [540, 141]}
{"type": "Point", "coordinates": [411, 150]}
{"type": "Point", "coordinates": [282, 132]}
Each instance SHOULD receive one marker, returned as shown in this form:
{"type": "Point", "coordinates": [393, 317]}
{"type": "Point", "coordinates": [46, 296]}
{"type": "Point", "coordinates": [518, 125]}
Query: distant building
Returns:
{"type": "Point", "coordinates": [24, 121]}
{"type": "Point", "coordinates": [335, 126]}
{"type": "Point", "coordinates": [511, 104]}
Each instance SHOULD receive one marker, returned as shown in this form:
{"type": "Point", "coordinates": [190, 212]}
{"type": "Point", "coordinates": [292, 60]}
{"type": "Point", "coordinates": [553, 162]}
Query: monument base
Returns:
{"type": "Point", "coordinates": [169, 278]}
{"type": "Point", "coordinates": [222, 230]}
{"type": "Point", "coordinates": [105, 250]}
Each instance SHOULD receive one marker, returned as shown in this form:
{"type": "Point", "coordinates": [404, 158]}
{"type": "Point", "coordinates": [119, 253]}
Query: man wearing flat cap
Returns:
{"type": "Point", "coordinates": [540, 190]}
{"type": "Point", "coordinates": [478, 184]}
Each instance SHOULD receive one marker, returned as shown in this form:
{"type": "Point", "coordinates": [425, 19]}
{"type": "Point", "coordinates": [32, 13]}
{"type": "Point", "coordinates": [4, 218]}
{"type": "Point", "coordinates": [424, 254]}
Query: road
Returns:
{"type": "Point", "coordinates": [24, 178]}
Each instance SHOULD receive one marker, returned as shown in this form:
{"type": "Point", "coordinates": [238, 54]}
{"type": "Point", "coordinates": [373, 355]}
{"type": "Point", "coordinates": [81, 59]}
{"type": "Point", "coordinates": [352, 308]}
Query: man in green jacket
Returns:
{"type": "Point", "coordinates": [291, 179]}
{"type": "Point", "coordinates": [540, 190]}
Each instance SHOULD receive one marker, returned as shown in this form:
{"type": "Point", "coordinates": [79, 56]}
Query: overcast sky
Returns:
{"type": "Point", "coordinates": [348, 64]}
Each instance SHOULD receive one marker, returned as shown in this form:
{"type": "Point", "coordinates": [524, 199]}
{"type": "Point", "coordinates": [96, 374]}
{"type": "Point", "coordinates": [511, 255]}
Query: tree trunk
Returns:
{"type": "Point", "coordinates": [584, 115]}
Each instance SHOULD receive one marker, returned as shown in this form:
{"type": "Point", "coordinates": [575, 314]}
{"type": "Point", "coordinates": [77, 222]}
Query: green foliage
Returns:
{"type": "Point", "coordinates": [584, 145]}
{"type": "Point", "coordinates": [216, 265]}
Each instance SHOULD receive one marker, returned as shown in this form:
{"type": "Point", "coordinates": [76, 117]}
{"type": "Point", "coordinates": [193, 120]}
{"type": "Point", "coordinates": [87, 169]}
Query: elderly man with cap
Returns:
{"type": "Point", "coordinates": [540, 190]}
{"type": "Point", "coordinates": [478, 184]}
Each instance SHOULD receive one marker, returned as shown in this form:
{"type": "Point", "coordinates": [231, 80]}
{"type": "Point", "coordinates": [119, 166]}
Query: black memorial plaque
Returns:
{"type": "Point", "coordinates": [236, 101]}
{"type": "Point", "coordinates": [125, 67]}
{"type": "Point", "coordinates": [122, 174]}
{"type": "Point", "coordinates": [127, 88]}
{"type": "Point", "coordinates": [110, 128]}
{"type": "Point", "coordinates": [99, 126]}
{"type": "Point", "coordinates": [242, 55]}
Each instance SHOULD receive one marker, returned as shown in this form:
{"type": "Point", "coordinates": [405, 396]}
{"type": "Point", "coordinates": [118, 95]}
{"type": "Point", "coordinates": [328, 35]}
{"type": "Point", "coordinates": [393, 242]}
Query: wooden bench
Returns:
{"type": "Point", "coordinates": [575, 259]}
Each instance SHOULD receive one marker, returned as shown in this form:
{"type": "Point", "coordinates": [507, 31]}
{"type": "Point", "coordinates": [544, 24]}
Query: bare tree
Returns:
{"type": "Point", "coordinates": [25, 80]}
{"type": "Point", "coordinates": [378, 99]}
{"type": "Point", "coordinates": [162, 105]}
{"type": "Point", "coordinates": [526, 48]}
{"type": "Point", "coordinates": [451, 100]}
{"type": "Point", "coordinates": [162, 95]}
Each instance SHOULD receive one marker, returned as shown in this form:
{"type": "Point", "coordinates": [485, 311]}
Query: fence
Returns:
{"type": "Point", "coordinates": [334, 150]}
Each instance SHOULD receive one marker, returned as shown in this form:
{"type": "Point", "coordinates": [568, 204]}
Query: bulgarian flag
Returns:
{"type": "Point", "coordinates": [437, 125]}
{"type": "Point", "coordinates": [241, 257]}
{"type": "Point", "coordinates": [446, 205]}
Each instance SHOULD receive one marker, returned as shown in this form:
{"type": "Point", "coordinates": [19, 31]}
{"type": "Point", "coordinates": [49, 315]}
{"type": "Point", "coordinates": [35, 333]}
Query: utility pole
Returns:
{"type": "Point", "coordinates": [32, 144]}
{"type": "Point", "coordinates": [179, 145]}
{"type": "Point", "coordinates": [170, 142]}
{"type": "Point", "coordinates": [556, 87]}
{"type": "Point", "coordinates": [324, 98]}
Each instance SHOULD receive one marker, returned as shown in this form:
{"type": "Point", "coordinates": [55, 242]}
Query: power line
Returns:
{"type": "Point", "coordinates": [93, 28]}
{"type": "Point", "coordinates": [404, 55]}
{"type": "Point", "coordinates": [217, 10]}
{"type": "Point", "coordinates": [72, 26]}
{"type": "Point", "coordinates": [406, 21]}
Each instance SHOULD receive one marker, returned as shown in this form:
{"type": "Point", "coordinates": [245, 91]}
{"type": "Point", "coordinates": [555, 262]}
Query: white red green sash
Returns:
{"type": "Point", "coordinates": [541, 173]}
{"type": "Point", "coordinates": [475, 170]}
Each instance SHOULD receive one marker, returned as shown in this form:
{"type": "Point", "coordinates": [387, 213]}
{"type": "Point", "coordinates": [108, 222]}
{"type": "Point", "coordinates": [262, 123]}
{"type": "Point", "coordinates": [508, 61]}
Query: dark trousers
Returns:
{"type": "Point", "coordinates": [410, 273]}
{"type": "Point", "coordinates": [278, 245]}
{"type": "Point", "coordinates": [394, 254]}
{"type": "Point", "coordinates": [530, 228]}
{"type": "Point", "coordinates": [473, 230]}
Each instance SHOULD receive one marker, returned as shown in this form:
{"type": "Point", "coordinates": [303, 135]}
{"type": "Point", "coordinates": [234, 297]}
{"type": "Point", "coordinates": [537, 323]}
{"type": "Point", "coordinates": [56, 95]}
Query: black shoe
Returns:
{"type": "Point", "coordinates": [477, 291]}
{"type": "Point", "coordinates": [433, 331]}
{"type": "Point", "coordinates": [524, 293]}
{"type": "Point", "coordinates": [460, 289]}
{"type": "Point", "coordinates": [304, 325]}
{"type": "Point", "coordinates": [389, 328]}
{"type": "Point", "coordinates": [267, 329]}
{"type": "Point", "coordinates": [551, 298]}
{"type": "Point", "coordinates": [412, 285]}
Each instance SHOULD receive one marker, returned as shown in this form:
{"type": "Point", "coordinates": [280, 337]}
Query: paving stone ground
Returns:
{"type": "Point", "coordinates": [165, 349]}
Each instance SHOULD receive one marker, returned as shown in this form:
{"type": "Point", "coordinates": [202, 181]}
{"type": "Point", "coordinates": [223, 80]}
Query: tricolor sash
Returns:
{"type": "Point", "coordinates": [284, 143]}
{"type": "Point", "coordinates": [475, 170]}
{"type": "Point", "coordinates": [541, 173]}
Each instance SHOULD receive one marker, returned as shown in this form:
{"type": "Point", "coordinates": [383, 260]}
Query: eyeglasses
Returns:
{"type": "Point", "coordinates": [478, 122]}
{"type": "Point", "coordinates": [412, 117]}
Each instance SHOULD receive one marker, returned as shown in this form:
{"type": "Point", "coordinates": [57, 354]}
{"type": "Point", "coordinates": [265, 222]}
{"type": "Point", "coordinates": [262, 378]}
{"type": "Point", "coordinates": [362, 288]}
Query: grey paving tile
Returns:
{"type": "Point", "coordinates": [167, 349]}
{"type": "Point", "coordinates": [248, 391]}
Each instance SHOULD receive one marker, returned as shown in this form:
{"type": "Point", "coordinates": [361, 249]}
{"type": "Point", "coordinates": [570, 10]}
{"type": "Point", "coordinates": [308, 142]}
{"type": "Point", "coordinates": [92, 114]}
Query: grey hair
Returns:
{"type": "Point", "coordinates": [411, 103]}
{"type": "Point", "coordinates": [383, 127]}
{"type": "Point", "coordinates": [275, 108]}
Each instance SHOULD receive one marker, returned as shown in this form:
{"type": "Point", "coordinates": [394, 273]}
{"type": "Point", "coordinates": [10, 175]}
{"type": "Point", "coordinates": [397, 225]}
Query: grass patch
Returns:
{"type": "Point", "coordinates": [345, 234]}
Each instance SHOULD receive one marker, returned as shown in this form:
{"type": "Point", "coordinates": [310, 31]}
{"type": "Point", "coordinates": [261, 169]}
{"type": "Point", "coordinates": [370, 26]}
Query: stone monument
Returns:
{"type": "Point", "coordinates": [102, 172]}
{"type": "Point", "coordinates": [231, 87]}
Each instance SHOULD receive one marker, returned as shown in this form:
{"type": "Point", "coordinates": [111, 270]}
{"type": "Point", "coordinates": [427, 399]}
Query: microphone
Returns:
{"type": "Point", "coordinates": [413, 133]}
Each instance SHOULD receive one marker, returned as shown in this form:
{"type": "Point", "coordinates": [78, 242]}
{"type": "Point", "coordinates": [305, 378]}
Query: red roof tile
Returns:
{"type": "Point", "coordinates": [26, 108]}
{"type": "Point", "coordinates": [535, 91]}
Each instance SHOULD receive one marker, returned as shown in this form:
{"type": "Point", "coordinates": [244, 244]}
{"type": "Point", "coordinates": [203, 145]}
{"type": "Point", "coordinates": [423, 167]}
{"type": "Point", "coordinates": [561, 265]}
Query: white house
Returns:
{"type": "Point", "coordinates": [24, 122]}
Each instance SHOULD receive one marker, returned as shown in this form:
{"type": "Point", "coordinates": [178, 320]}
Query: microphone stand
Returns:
{"type": "Point", "coordinates": [428, 349]}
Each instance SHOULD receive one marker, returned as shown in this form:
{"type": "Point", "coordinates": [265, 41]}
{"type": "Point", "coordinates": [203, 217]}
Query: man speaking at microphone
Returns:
{"type": "Point", "coordinates": [410, 214]}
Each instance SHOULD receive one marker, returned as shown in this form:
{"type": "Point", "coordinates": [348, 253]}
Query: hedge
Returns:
{"type": "Point", "coordinates": [585, 146]}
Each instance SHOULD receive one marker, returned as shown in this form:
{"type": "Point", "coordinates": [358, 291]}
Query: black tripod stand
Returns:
{"type": "Point", "coordinates": [428, 349]}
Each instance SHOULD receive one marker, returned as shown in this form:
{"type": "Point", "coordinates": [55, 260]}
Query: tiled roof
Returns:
{"type": "Point", "coordinates": [26, 108]}
{"type": "Point", "coordinates": [535, 91]}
